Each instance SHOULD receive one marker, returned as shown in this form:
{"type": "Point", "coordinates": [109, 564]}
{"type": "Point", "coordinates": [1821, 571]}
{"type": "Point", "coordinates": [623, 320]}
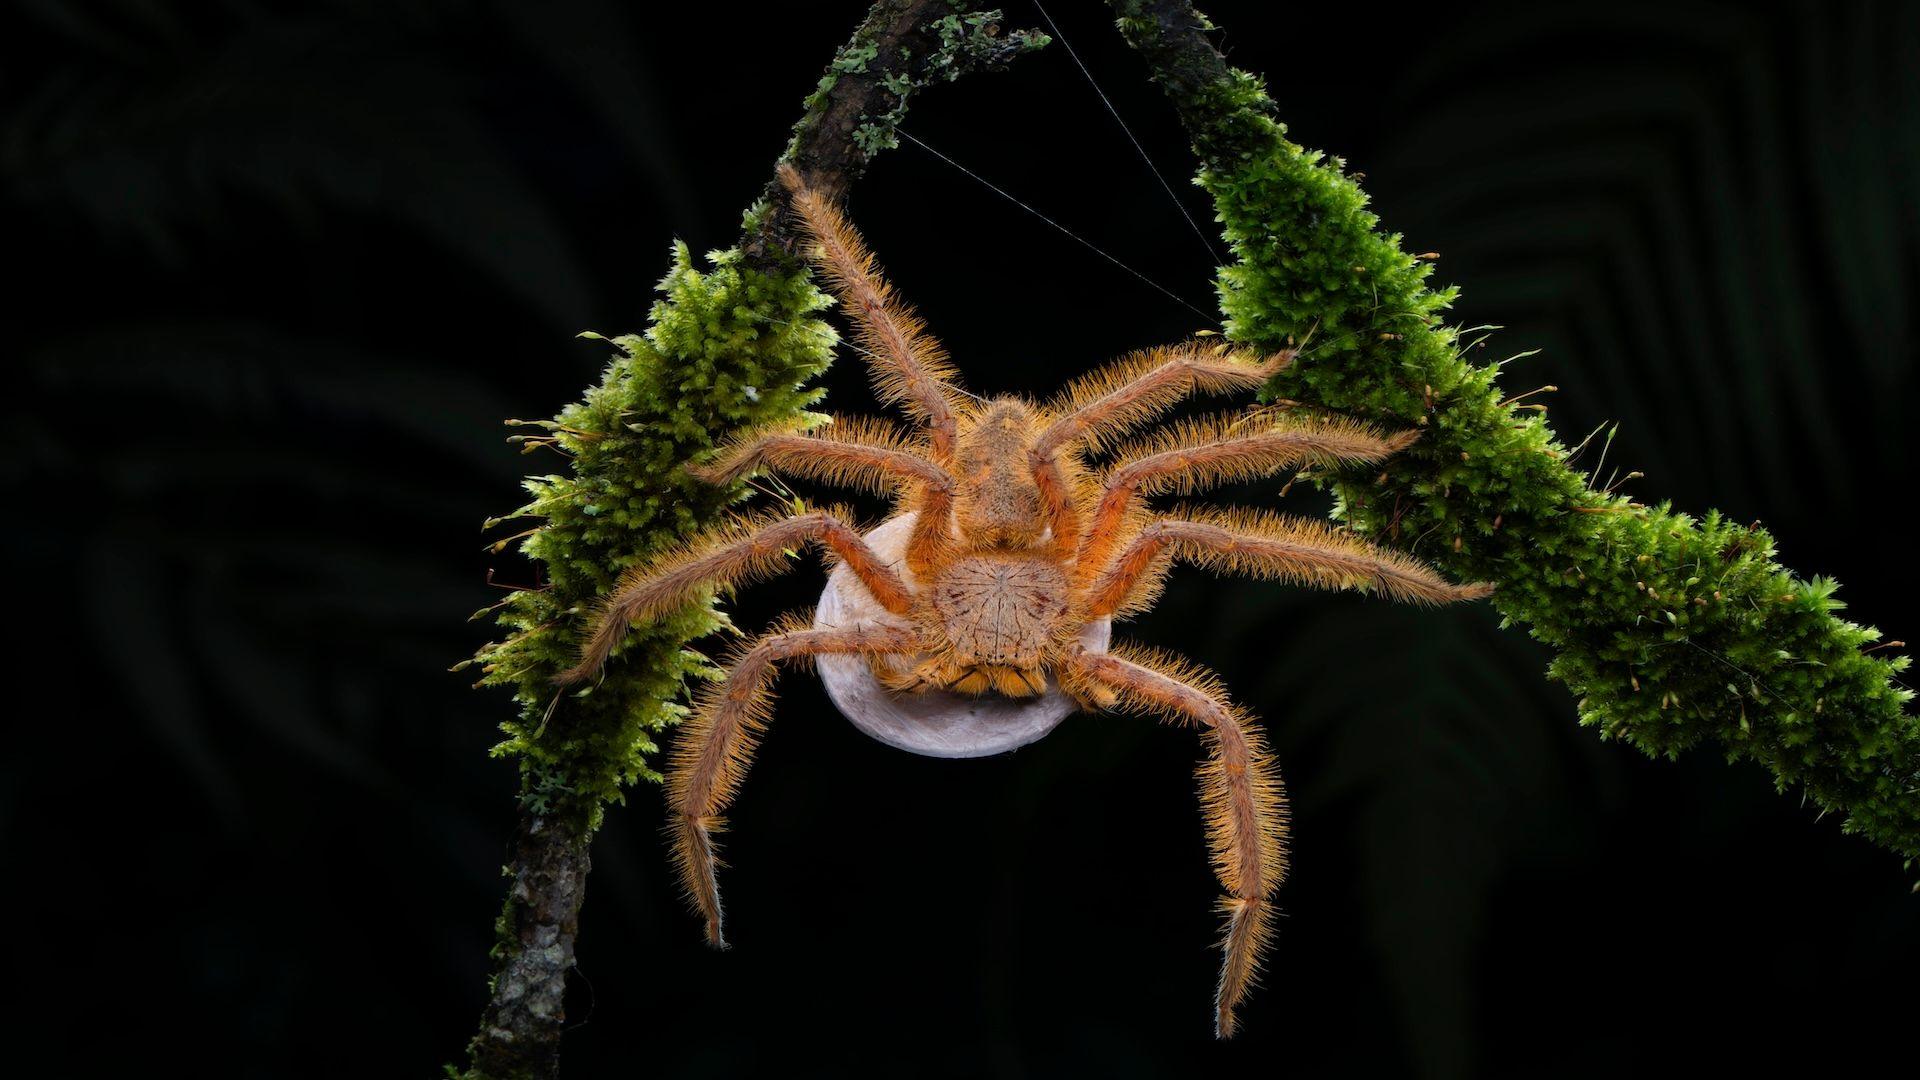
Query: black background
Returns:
{"type": "Point", "coordinates": [279, 271]}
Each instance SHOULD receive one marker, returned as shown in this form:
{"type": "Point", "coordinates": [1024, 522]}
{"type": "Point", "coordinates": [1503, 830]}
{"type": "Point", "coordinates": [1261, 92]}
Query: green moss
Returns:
{"type": "Point", "coordinates": [1674, 631]}
{"type": "Point", "coordinates": [727, 349]}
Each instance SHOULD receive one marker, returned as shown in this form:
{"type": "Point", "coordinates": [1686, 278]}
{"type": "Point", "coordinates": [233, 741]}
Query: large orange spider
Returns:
{"type": "Point", "coordinates": [1014, 547]}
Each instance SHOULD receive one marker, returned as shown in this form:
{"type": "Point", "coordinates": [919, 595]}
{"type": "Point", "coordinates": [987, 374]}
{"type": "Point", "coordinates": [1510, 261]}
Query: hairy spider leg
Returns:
{"type": "Point", "coordinates": [910, 368]}
{"type": "Point", "coordinates": [715, 746]}
{"type": "Point", "coordinates": [1240, 794]}
{"type": "Point", "coordinates": [908, 365]}
{"type": "Point", "coordinates": [1203, 453]}
{"type": "Point", "coordinates": [857, 452]}
{"type": "Point", "coordinates": [1121, 396]}
{"type": "Point", "coordinates": [750, 550]}
{"type": "Point", "coordinates": [1117, 398]}
{"type": "Point", "coordinates": [1265, 545]}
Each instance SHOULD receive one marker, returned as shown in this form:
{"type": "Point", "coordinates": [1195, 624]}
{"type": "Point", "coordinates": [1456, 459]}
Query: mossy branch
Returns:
{"type": "Point", "coordinates": [1674, 631]}
{"type": "Point", "coordinates": [728, 348]}
{"type": "Point", "coordinates": [854, 113]}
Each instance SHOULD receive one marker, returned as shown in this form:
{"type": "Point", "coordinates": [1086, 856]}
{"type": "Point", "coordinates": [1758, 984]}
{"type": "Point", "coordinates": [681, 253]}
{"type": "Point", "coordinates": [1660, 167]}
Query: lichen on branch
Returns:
{"type": "Point", "coordinates": [1673, 630]}
{"type": "Point", "coordinates": [854, 113]}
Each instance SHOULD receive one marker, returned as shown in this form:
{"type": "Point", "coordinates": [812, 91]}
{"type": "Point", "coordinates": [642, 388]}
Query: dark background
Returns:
{"type": "Point", "coordinates": [279, 271]}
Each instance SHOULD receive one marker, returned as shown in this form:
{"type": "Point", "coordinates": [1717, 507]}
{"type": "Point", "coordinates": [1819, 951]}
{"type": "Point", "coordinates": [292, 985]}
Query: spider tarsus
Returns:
{"type": "Point", "coordinates": [1242, 944]}
{"type": "Point", "coordinates": [699, 867]}
{"type": "Point", "coordinates": [717, 743]}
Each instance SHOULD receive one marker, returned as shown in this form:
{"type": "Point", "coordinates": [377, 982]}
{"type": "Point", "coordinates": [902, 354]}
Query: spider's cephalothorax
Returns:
{"type": "Point", "coordinates": [1016, 545]}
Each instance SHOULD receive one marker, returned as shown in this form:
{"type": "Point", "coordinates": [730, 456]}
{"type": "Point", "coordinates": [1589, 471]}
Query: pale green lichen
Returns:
{"type": "Point", "coordinates": [967, 40]}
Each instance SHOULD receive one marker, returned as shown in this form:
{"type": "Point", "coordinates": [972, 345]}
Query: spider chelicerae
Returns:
{"type": "Point", "coordinates": [1015, 546]}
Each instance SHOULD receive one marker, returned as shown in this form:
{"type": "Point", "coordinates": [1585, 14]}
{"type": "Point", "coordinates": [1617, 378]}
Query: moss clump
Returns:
{"type": "Point", "coordinates": [1673, 630]}
{"type": "Point", "coordinates": [727, 349]}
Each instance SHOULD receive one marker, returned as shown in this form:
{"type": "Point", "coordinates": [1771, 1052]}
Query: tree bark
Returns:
{"type": "Point", "coordinates": [1171, 36]}
{"type": "Point", "coordinates": [521, 1027]}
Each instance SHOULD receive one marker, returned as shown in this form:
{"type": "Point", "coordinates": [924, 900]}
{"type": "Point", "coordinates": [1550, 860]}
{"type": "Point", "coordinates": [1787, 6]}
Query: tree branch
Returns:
{"type": "Point", "coordinates": [902, 47]}
{"type": "Point", "coordinates": [1673, 631]}
{"type": "Point", "coordinates": [578, 750]}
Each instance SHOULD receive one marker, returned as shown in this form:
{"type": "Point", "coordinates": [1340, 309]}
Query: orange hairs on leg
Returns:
{"type": "Point", "coordinates": [711, 753]}
{"type": "Point", "coordinates": [909, 366]}
{"type": "Point", "coordinates": [1240, 794]}
{"type": "Point", "coordinates": [1259, 544]}
{"type": "Point", "coordinates": [854, 452]}
{"type": "Point", "coordinates": [1130, 392]}
{"type": "Point", "coordinates": [748, 550]}
{"type": "Point", "coordinates": [1217, 450]}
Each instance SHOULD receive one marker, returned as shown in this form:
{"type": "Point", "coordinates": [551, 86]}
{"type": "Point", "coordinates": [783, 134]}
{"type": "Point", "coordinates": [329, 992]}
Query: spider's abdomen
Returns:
{"type": "Point", "coordinates": [1000, 610]}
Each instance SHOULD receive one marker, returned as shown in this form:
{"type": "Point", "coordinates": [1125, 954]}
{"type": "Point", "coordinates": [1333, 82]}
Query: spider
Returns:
{"type": "Point", "coordinates": [1015, 544]}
